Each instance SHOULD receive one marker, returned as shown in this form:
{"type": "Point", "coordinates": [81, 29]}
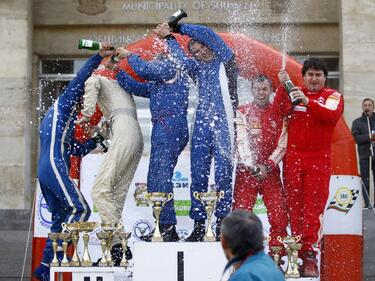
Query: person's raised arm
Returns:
{"type": "Point", "coordinates": [207, 37]}
{"type": "Point", "coordinates": [133, 86]}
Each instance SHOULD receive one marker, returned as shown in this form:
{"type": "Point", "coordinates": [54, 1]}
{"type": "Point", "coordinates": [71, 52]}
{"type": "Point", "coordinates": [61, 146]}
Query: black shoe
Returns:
{"type": "Point", "coordinates": [148, 237]}
{"type": "Point", "coordinates": [198, 232]}
{"type": "Point", "coordinates": [169, 233]}
{"type": "Point", "coordinates": [218, 230]}
{"type": "Point", "coordinates": [116, 253]}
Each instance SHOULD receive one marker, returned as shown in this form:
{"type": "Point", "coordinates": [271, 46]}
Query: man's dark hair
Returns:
{"type": "Point", "coordinates": [262, 78]}
{"type": "Point", "coordinates": [243, 232]}
{"type": "Point", "coordinates": [316, 64]}
{"type": "Point", "coordinates": [368, 99]}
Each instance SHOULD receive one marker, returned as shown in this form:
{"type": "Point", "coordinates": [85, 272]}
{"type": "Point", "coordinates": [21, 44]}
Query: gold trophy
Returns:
{"type": "Point", "coordinates": [103, 237]}
{"type": "Point", "coordinates": [124, 236]}
{"type": "Point", "coordinates": [73, 228]}
{"type": "Point", "coordinates": [295, 248]}
{"type": "Point", "coordinates": [54, 236]}
{"type": "Point", "coordinates": [65, 236]}
{"type": "Point", "coordinates": [110, 229]}
{"type": "Point", "coordinates": [86, 227]}
{"type": "Point", "coordinates": [159, 199]}
{"type": "Point", "coordinates": [209, 199]}
{"type": "Point", "coordinates": [275, 250]}
{"type": "Point", "coordinates": [291, 246]}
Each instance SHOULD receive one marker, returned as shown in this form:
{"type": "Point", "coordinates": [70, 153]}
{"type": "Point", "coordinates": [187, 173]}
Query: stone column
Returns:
{"type": "Point", "coordinates": [15, 80]}
{"type": "Point", "coordinates": [357, 54]}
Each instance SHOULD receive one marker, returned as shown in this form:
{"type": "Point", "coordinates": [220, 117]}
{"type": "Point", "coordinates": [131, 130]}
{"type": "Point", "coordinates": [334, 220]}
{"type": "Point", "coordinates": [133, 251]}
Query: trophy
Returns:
{"type": "Point", "coordinates": [73, 228]}
{"type": "Point", "coordinates": [103, 237]}
{"type": "Point", "coordinates": [295, 248]}
{"type": "Point", "coordinates": [292, 247]}
{"type": "Point", "coordinates": [159, 199]}
{"type": "Point", "coordinates": [65, 236]}
{"type": "Point", "coordinates": [54, 236]}
{"type": "Point", "coordinates": [109, 229]}
{"type": "Point", "coordinates": [86, 227]}
{"type": "Point", "coordinates": [209, 199]}
{"type": "Point", "coordinates": [124, 236]}
{"type": "Point", "coordinates": [275, 250]}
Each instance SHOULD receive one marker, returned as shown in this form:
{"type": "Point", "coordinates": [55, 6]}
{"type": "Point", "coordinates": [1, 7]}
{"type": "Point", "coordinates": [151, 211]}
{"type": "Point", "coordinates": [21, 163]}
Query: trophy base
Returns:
{"type": "Point", "coordinates": [157, 239]}
{"type": "Point", "coordinates": [54, 264]}
{"type": "Point", "coordinates": [289, 275]}
{"type": "Point", "coordinates": [124, 264]}
{"type": "Point", "coordinates": [86, 263]}
{"type": "Point", "coordinates": [65, 264]}
{"type": "Point", "coordinates": [209, 239]}
{"type": "Point", "coordinates": [75, 263]}
{"type": "Point", "coordinates": [103, 264]}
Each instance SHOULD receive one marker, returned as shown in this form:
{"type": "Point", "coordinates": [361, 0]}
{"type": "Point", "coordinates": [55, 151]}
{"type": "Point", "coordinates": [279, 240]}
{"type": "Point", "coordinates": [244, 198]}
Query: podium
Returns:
{"type": "Point", "coordinates": [179, 261]}
{"type": "Point", "coordinates": [91, 273]}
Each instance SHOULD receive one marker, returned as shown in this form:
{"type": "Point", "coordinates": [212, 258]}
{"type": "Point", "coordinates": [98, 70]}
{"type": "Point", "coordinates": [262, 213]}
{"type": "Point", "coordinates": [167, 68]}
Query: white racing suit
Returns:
{"type": "Point", "coordinates": [126, 145]}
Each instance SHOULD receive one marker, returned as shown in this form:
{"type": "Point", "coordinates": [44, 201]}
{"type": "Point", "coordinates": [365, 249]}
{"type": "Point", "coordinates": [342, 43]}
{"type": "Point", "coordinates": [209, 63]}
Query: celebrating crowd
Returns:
{"type": "Point", "coordinates": [246, 142]}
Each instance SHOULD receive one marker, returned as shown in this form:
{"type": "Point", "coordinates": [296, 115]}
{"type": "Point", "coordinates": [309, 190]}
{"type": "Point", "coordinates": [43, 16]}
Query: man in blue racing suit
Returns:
{"type": "Point", "coordinates": [214, 69]}
{"type": "Point", "coordinates": [57, 144]}
{"type": "Point", "coordinates": [167, 87]}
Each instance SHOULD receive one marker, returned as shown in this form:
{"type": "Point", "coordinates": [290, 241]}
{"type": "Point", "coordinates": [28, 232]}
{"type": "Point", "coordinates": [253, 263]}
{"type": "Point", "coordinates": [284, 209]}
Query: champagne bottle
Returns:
{"type": "Point", "coordinates": [91, 45]}
{"type": "Point", "coordinates": [100, 140]}
{"type": "Point", "coordinates": [288, 85]}
{"type": "Point", "coordinates": [176, 17]}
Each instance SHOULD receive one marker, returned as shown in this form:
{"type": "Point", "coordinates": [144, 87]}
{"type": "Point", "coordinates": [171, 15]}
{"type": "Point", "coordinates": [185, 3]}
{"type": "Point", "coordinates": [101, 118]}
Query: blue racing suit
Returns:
{"type": "Point", "coordinates": [213, 133]}
{"type": "Point", "coordinates": [168, 90]}
{"type": "Point", "coordinates": [57, 143]}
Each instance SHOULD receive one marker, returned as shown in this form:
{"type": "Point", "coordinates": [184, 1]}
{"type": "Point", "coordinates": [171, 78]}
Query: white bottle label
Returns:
{"type": "Point", "coordinates": [87, 43]}
{"type": "Point", "coordinates": [176, 14]}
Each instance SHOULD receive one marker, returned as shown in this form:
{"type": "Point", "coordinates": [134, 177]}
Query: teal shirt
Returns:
{"type": "Point", "coordinates": [259, 267]}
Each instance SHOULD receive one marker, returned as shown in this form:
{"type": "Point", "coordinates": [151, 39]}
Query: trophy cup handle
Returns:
{"type": "Point", "coordinates": [221, 194]}
{"type": "Point", "coordinates": [119, 226]}
{"type": "Point", "coordinates": [196, 195]}
{"type": "Point", "coordinates": [298, 238]}
{"type": "Point", "coordinates": [280, 239]}
{"type": "Point", "coordinates": [64, 227]}
{"type": "Point", "coordinates": [169, 198]}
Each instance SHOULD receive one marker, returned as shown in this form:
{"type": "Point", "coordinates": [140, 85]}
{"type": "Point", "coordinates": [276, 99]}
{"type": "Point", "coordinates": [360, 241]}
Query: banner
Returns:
{"type": "Point", "coordinates": [343, 212]}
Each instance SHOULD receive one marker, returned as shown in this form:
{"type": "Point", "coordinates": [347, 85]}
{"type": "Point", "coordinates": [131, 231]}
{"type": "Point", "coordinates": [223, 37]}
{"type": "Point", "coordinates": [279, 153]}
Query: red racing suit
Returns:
{"type": "Point", "coordinates": [306, 170]}
{"type": "Point", "coordinates": [263, 130]}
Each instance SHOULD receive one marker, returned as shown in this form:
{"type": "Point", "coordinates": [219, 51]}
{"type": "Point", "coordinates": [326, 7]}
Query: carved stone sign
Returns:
{"type": "Point", "coordinates": [91, 7]}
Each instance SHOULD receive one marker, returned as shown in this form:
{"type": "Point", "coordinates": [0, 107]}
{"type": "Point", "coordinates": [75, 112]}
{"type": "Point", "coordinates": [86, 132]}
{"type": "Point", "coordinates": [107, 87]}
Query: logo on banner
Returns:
{"type": "Point", "coordinates": [44, 215]}
{"type": "Point", "coordinates": [140, 194]}
{"type": "Point", "coordinates": [179, 180]}
{"type": "Point", "coordinates": [182, 207]}
{"type": "Point", "coordinates": [259, 207]}
{"type": "Point", "coordinates": [141, 228]}
{"type": "Point", "coordinates": [344, 199]}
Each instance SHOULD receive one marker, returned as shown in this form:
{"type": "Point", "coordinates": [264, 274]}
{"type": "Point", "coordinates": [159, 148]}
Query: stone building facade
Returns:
{"type": "Point", "coordinates": [40, 54]}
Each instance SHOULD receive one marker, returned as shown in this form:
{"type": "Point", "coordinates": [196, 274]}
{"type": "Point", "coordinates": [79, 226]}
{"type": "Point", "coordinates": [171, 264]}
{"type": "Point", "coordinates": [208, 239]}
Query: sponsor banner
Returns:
{"type": "Point", "coordinates": [343, 212]}
{"type": "Point", "coordinates": [42, 215]}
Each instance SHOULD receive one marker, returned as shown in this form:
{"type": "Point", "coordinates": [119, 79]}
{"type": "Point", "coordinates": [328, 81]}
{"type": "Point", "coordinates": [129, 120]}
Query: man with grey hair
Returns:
{"type": "Point", "coordinates": [242, 242]}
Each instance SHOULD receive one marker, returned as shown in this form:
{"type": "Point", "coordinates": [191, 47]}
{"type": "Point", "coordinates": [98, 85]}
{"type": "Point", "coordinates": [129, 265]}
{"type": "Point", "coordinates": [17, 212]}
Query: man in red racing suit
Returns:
{"type": "Point", "coordinates": [306, 170]}
{"type": "Point", "coordinates": [258, 155]}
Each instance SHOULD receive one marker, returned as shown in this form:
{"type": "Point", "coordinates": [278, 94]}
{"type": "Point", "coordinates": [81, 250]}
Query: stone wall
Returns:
{"type": "Point", "coordinates": [15, 76]}
{"type": "Point", "coordinates": [358, 54]}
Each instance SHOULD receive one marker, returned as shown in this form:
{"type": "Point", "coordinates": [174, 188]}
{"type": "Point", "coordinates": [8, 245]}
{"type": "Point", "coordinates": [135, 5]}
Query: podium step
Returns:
{"type": "Point", "coordinates": [91, 273]}
{"type": "Point", "coordinates": [180, 261]}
